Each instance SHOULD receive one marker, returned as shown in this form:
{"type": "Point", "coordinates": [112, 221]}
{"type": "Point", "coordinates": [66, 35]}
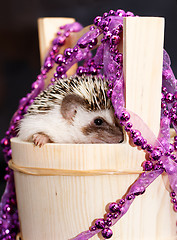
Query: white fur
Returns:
{"type": "Point", "coordinates": [57, 128]}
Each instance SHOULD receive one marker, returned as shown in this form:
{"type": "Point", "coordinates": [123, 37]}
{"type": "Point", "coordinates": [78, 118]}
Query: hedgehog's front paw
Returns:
{"type": "Point", "coordinates": [39, 139]}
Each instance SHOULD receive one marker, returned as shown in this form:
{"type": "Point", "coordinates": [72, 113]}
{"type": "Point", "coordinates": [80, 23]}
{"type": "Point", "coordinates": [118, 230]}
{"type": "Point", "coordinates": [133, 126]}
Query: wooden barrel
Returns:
{"type": "Point", "coordinates": [60, 207]}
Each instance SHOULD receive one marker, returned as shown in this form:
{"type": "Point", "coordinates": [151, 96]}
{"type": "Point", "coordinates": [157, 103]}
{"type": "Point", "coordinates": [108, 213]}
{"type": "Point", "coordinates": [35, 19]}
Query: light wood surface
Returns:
{"type": "Point", "coordinates": [60, 207]}
{"type": "Point", "coordinates": [143, 59]}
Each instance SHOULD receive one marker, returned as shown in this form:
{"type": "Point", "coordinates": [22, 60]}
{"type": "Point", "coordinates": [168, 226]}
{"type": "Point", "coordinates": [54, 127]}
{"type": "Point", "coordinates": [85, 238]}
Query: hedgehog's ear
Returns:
{"type": "Point", "coordinates": [70, 104]}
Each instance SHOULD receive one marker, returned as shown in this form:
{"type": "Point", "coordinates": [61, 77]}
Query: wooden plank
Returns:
{"type": "Point", "coordinates": [143, 59]}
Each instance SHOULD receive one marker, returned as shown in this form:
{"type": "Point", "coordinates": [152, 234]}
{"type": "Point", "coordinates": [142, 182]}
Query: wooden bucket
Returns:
{"type": "Point", "coordinates": [60, 207]}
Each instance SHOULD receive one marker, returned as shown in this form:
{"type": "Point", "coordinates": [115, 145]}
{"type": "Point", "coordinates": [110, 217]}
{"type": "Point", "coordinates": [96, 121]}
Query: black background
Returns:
{"type": "Point", "coordinates": [19, 53]}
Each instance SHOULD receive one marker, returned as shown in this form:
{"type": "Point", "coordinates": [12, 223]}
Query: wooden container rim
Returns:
{"type": "Point", "coordinates": [17, 140]}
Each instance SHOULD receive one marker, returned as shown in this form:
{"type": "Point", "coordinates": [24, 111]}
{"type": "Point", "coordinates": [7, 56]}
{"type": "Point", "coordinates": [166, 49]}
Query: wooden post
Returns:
{"type": "Point", "coordinates": [60, 207]}
{"type": "Point", "coordinates": [143, 60]}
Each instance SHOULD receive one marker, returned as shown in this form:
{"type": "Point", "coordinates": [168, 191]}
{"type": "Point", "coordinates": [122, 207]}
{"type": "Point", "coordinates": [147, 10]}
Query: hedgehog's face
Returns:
{"type": "Point", "coordinates": [87, 126]}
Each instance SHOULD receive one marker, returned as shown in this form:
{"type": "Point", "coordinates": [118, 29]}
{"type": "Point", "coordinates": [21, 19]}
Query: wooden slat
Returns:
{"type": "Point", "coordinates": [143, 59]}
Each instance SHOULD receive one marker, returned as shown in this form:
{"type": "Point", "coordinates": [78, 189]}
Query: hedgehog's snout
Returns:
{"type": "Point", "coordinates": [99, 130]}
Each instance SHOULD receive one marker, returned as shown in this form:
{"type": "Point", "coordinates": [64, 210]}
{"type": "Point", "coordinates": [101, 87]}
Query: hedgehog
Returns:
{"type": "Point", "coordinates": [72, 110]}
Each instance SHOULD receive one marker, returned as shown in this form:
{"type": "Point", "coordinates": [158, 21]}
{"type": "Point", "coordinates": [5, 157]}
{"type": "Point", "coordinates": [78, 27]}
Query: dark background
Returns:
{"type": "Point", "coordinates": [19, 53]}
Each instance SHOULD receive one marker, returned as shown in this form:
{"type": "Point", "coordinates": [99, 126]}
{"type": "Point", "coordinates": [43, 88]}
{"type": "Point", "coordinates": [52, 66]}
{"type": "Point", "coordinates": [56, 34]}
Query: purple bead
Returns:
{"type": "Point", "coordinates": [108, 35]}
{"type": "Point", "coordinates": [66, 34]}
{"type": "Point", "coordinates": [7, 208]}
{"type": "Point", "coordinates": [111, 12]}
{"type": "Point", "coordinates": [165, 112]}
{"type": "Point", "coordinates": [173, 200]}
{"type": "Point", "coordinates": [100, 223]}
{"type": "Point", "coordinates": [109, 224]}
{"type": "Point", "coordinates": [106, 29]}
{"type": "Point", "coordinates": [52, 80]}
{"type": "Point", "coordinates": [175, 122]}
{"type": "Point", "coordinates": [4, 216]}
{"type": "Point", "coordinates": [93, 42]}
{"type": "Point", "coordinates": [109, 93]}
{"type": "Point", "coordinates": [157, 166]}
{"type": "Point", "coordinates": [75, 49]}
{"type": "Point", "coordinates": [107, 233]}
{"type": "Point", "coordinates": [147, 165]}
{"type": "Point", "coordinates": [135, 133]}
{"type": "Point", "coordinates": [167, 154]}
{"type": "Point", "coordinates": [68, 52]}
{"type": "Point", "coordinates": [52, 54]}
{"type": "Point", "coordinates": [115, 32]}
{"type": "Point", "coordinates": [93, 228]}
{"type": "Point", "coordinates": [122, 201]}
{"type": "Point", "coordinates": [175, 207]}
{"type": "Point", "coordinates": [80, 70]}
{"type": "Point", "coordinates": [125, 116]}
{"type": "Point", "coordinates": [164, 90]}
{"type": "Point", "coordinates": [130, 197]}
{"type": "Point", "coordinates": [93, 70]}
{"type": "Point", "coordinates": [109, 215]}
{"type": "Point", "coordinates": [5, 142]}
{"type": "Point", "coordinates": [169, 98]}
{"type": "Point", "coordinates": [173, 156]}
{"type": "Point", "coordinates": [59, 59]}
{"type": "Point", "coordinates": [119, 58]}
{"type": "Point", "coordinates": [175, 95]}
{"type": "Point", "coordinates": [35, 85]}
{"type": "Point", "coordinates": [172, 194]}
{"type": "Point", "coordinates": [118, 74]}
{"type": "Point", "coordinates": [113, 207]}
{"type": "Point", "coordinates": [172, 111]}
{"type": "Point", "coordinates": [170, 148]}
{"type": "Point", "coordinates": [129, 14]}
{"type": "Point", "coordinates": [105, 15]}
{"type": "Point", "coordinates": [115, 40]}
{"type": "Point", "coordinates": [129, 125]}
{"type": "Point", "coordinates": [103, 24]}
{"type": "Point", "coordinates": [144, 146]}
{"type": "Point", "coordinates": [48, 64]}
{"type": "Point", "coordinates": [156, 154]}
{"type": "Point", "coordinates": [162, 97]}
{"type": "Point", "coordinates": [120, 13]}
{"type": "Point", "coordinates": [55, 48]}
{"type": "Point", "coordinates": [60, 41]}
{"type": "Point", "coordinates": [175, 145]}
{"type": "Point", "coordinates": [120, 27]}
{"type": "Point", "coordinates": [149, 148]}
{"type": "Point", "coordinates": [163, 105]}
{"type": "Point", "coordinates": [172, 116]}
{"type": "Point", "coordinates": [97, 20]}
{"type": "Point", "coordinates": [60, 70]}
{"type": "Point", "coordinates": [92, 28]}
{"type": "Point", "coordinates": [138, 141]}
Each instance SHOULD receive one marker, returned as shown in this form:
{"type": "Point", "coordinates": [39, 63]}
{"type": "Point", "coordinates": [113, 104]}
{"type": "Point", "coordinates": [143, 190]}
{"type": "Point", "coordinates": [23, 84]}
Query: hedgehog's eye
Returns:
{"type": "Point", "coordinates": [98, 121]}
